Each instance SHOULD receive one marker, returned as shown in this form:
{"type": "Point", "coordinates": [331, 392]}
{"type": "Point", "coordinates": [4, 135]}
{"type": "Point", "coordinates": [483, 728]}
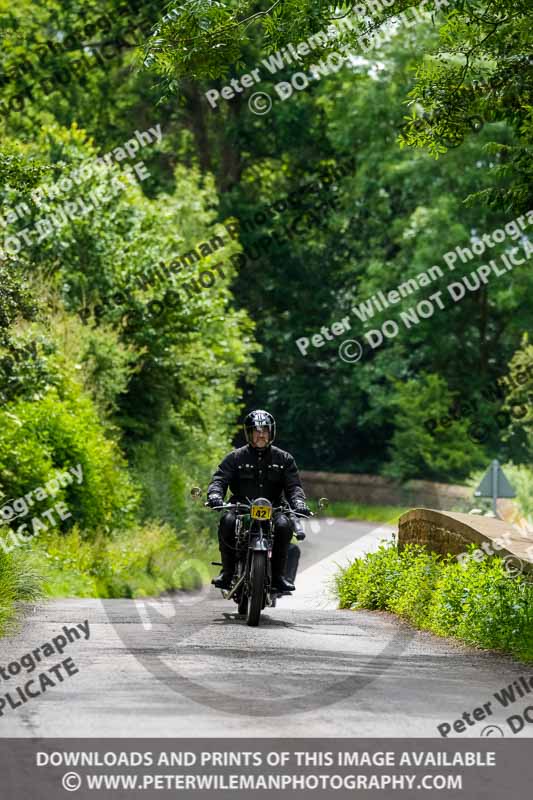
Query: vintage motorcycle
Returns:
{"type": "Point", "coordinates": [254, 539]}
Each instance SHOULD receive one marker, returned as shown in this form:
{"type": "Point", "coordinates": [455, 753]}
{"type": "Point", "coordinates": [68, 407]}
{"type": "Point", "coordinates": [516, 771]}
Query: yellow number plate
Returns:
{"type": "Point", "coordinates": [261, 512]}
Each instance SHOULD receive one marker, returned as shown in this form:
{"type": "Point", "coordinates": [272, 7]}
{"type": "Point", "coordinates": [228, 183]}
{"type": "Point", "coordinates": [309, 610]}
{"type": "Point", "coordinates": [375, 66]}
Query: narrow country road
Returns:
{"type": "Point", "coordinates": [188, 666]}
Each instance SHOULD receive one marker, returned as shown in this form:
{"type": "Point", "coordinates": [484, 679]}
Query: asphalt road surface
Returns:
{"type": "Point", "coordinates": [188, 666]}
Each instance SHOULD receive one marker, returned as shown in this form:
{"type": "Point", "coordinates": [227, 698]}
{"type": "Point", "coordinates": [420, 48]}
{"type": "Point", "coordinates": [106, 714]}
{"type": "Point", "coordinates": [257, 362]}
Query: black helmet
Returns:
{"type": "Point", "coordinates": [257, 420]}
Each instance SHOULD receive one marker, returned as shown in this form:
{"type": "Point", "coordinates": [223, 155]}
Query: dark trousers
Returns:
{"type": "Point", "coordinates": [282, 536]}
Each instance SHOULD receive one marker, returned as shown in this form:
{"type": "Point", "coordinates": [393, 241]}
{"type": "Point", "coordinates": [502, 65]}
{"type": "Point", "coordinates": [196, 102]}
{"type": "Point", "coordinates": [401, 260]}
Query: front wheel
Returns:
{"type": "Point", "coordinates": [257, 587]}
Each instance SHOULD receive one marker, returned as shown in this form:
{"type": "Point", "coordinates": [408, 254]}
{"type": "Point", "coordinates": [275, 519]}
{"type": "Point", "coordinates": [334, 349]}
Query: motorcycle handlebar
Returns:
{"type": "Point", "coordinates": [246, 506]}
{"type": "Point", "coordinates": [227, 506]}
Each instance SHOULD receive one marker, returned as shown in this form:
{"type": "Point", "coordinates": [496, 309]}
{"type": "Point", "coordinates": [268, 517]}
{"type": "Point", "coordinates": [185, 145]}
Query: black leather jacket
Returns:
{"type": "Point", "coordinates": [251, 473]}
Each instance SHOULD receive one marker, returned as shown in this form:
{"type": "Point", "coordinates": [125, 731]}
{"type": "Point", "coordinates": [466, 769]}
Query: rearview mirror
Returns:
{"type": "Point", "coordinates": [323, 503]}
{"type": "Point", "coordinates": [196, 492]}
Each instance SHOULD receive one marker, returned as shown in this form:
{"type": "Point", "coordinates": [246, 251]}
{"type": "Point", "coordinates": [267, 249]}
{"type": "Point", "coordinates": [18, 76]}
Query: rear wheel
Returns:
{"type": "Point", "coordinates": [257, 587]}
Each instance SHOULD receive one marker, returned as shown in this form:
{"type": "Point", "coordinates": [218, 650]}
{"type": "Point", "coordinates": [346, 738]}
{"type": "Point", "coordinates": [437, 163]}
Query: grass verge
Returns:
{"type": "Point", "coordinates": [19, 582]}
{"type": "Point", "coordinates": [360, 511]}
{"type": "Point", "coordinates": [137, 562]}
{"type": "Point", "coordinates": [478, 603]}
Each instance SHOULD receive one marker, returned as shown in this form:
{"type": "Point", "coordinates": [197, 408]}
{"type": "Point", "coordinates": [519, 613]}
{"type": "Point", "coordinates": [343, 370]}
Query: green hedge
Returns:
{"type": "Point", "coordinates": [479, 603]}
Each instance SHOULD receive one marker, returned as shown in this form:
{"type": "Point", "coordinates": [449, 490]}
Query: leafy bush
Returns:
{"type": "Point", "coordinates": [478, 603]}
{"type": "Point", "coordinates": [367, 583]}
{"type": "Point", "coordinates": [58, 432]}
{"type": "Point", "coordinates": [416, 586]}
{"type": "Point", "coordinates": [92, 355]}
{"type": "Point", "coordinates": [426, 443]}
{"type": "Point", "coordinates": [22, 372]}
{"type": "Point", "coordinates": [481, 604]}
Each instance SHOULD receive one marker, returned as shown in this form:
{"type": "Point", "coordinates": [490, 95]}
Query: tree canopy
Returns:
{"type": "Point", "coordinates": [358, 183]}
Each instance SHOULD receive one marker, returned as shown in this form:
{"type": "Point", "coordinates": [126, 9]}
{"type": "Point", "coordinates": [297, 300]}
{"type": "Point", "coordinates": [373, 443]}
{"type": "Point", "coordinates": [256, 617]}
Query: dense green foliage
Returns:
{"type": "Point", "coordinates": [398, 211]}
{"type": "Point", "coordinates": [105, 363]}
{"type": "Point", "coordinates": [429, 449]}
{"type": "Point", "coordinates": [115, 357]}
{"type": "Point", "coordinates": [478, 602]}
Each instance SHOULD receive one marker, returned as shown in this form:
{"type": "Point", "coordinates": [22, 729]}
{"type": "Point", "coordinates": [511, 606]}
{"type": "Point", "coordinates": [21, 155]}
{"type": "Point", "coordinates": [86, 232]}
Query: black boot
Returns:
{"type": "Point", "coordinates": [279, 567]}
{"type": "Point", "coordinates": [223, 581]}
{"type": "Point", "coordinates": [281, 584]}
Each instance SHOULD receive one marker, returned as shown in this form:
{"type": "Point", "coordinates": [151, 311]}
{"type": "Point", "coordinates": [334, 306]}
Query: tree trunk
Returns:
{"type": "Point", "coordinates": [198, 125]}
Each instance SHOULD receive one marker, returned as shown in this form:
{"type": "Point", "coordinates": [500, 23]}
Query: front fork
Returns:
{"type": "Point", "coordinates": [261, 540]}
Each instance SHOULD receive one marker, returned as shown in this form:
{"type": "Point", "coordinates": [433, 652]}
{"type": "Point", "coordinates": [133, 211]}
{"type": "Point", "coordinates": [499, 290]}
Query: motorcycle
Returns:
{"type": "Point", "coordinates": [251, 587]}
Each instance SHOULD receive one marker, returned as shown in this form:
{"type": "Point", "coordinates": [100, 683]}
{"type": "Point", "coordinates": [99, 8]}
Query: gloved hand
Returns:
{"type": "Point", "coordinates": [301, 508]}
{"type": "Point", "coordinates": [214, 500]}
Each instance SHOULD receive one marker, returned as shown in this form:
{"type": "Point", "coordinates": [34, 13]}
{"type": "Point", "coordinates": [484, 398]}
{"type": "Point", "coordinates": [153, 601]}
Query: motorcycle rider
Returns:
{"type": "Point", "coordinates": [257, 470]}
